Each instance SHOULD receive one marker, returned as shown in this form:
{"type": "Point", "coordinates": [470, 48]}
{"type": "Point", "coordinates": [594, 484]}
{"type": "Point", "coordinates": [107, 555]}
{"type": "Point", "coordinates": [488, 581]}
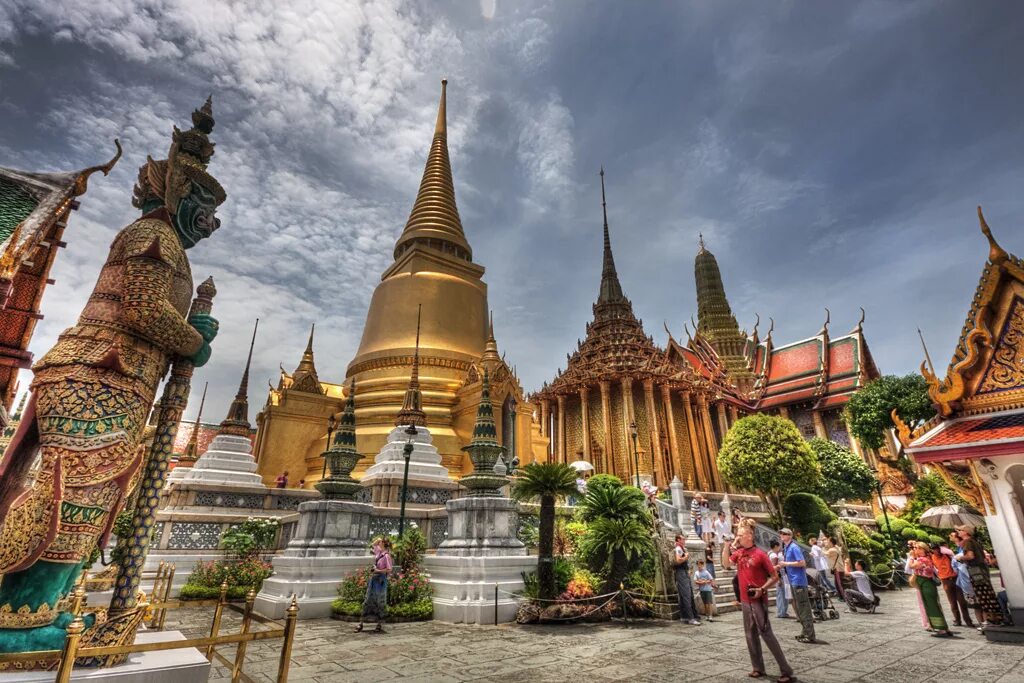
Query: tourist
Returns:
{"type": "Point", "coordinates": [722, 529]}
{"type": "Point", "coordinates": [862, 596]}
{"type": "Point", "coordinates": [302, 483]}
{"type": "Point", "coordinates": [909, 571]}
{"type": "Point", "coordinates": [926, 580]}
{"type": "Point", "coordinates": [706, 520]}
{"type": "Point", "coordinates": [834, 557]}
{"type": "Point", "coordinates": [796, 570]}
{"type": "Point", "coordinates": [282, 480]}
{"type": "Point", "coordinates": [973, 556]}
{"type": "Point", "coordinates": [375, 604]}
{"type": "Point", "coordinates": [709, 558]}
{"type": "Point", "coordinates": [695, 519]}
{"type": "Point", "coordinates": [819, 563]}
{"type": "Point", "coordinates": [681, 560]}
{"type": "Point", "coordinates": [942, 558]}
{"type": "Point", "coordinates": [963, 581]}
{"type": "Point", "coordinates": [706, 585]}
{"type": "Point", "coordinates": [756, 575]}
{"type": "Point", "coordinates": [782, 593]}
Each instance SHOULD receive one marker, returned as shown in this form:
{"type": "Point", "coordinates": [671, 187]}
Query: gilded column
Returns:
{"type": "Point", "coordinates": [694, 430]}
{"type": "Point", "coordinates": [606, 420]}
{"type": "Point", "coordinates": [560, 451]}
{"type": "Point", "coordinates": [709, 437]}
{"type": "Point", "coordinates": [819, 425]}
{"type": "Point", "coordinates": [733, 415]}
{"type": "Point", "coordinates": [657, 459]}
{"type": "Point", "coordinates": [673, 441]}
{"type": "Point", "coordinates": [723, 421]}
{"type": "Point", "coordinates": [627, 419]}
{"type": "Point", "coordinates": [545, 417]}
{"type": "Point", "coordinates": [784, 412]}
{"type": "Point", "coordinates": [585, 415]}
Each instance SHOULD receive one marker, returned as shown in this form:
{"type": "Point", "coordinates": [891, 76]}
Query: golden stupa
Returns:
{"type": "Point", "coordinates": [434, 283]}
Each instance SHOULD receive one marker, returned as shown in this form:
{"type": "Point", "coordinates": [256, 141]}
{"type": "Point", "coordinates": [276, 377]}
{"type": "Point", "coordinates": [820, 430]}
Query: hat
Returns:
{"type": "Point", "coordinates": [786, 530]}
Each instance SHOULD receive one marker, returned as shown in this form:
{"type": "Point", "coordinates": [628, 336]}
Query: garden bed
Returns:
{"type": "Point", "coordinates": [349, 610]}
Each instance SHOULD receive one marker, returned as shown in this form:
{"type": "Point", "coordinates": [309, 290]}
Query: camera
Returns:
{"type": "Point", "coordinates": [751, 591]}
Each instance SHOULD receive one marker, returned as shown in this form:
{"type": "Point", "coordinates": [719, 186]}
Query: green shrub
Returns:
{"type": "Point", "coordinates": [932, 538]}
{"type": "Point", "coordinates": [421, 609]}
{"type": "Point", "coordinates": [807, 513]}
{"type": "Point", "coordinates": [244, 574]}
{"type": "Point", "coordinates": [250, 538]}
{"type": "Point", "coordinates": [407, 585]}
{"type": "Point", "coordinates": [897, 524]}
{"type": "Point", "coordinates": [599, 481]}
{"type": "Point", "coordinates": [563, 574]}
{"type": "Point", "coordinates": [922, 535]}
{"type": "Point", "coordinates": [409, 548]}
{"type": "Point", "coordinates": [529, 530]}
{"type": "Point", "coordinates": [908, 533]}
{"type": "Point", "coordinates": [191, 591]}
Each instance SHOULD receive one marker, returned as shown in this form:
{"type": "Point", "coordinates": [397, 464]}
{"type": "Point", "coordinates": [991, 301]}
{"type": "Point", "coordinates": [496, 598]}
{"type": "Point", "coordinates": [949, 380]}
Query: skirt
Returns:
{"type": "Point", "coordinates": [375, 604]}
{"type": "Point", "coordinates": [985, 595]}
{"type": "Point", "coordinates": [929, 592]}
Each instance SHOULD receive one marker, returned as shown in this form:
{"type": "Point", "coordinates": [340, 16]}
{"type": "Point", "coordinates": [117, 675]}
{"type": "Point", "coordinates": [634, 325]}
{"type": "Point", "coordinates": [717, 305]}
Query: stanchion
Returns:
{"type": "Point", "coordinates": [289, 636]}
{"type": "Point", "coordinates": [215, 627]}
{"type": "Point", "coordinates": [236, 671]}
{"type": "Point", "coordinates": [625, 612]}
{"type": "Point", "coordinates": [168, 585]}
{"type": "Point", "coordinates": [74, 635]}
{"type": "Point", "coordinates": [495, 603]}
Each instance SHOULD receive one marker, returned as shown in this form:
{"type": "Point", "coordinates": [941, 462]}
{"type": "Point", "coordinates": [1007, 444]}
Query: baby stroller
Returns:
{"type": "Point", "coordinates": [821, 604]}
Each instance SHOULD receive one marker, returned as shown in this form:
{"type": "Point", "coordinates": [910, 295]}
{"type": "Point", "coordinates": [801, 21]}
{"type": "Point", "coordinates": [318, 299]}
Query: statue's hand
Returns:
{"type": "Point", "coordinates": [206, 325]}
{"type": "Point", "coordinates": [200, 357]}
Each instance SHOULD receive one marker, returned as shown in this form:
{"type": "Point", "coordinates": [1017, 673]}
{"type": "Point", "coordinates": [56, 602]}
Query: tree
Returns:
{"type": "Point", "coordinates": [807, 513]}
{"type": "Point", "coordinates": [869, 411]}
{"type": "Point", "coordinates": [545, 481]}
{"type": "Point", "coordinates": [613, 502]}
{"type": "Point", "coordinates": [843, 473]}
{"type": "Point", "coordinates": [930, 491]}
{"type": "Point", "coordinates": [767, 454]}
{"type": "Point", "coordinates": [620, 540]}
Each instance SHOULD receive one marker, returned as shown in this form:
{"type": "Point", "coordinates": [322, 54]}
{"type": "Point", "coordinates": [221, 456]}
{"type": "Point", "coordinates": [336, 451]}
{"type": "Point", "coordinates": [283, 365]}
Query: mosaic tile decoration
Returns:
{"type": "Point", "coordinates": [194, 536]}
{"type": "Point", "coordinates": [229, 500]}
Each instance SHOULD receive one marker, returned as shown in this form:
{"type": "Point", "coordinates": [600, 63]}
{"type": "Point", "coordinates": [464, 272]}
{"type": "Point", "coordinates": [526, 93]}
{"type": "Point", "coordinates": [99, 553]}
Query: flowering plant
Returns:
{"type": "Point", "coordinates": [250, 538]}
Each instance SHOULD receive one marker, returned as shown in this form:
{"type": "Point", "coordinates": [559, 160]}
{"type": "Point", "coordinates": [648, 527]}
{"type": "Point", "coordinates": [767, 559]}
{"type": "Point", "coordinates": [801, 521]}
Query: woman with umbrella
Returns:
{"type": "Point", "coordinates": [973, 556]}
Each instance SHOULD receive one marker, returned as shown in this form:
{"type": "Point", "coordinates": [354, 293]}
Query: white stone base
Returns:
{"type": "Point", "coordinates": [424, 463]}
{"type": "Point", "coordinates": [227, 461]}
{"type": "Point", "coordinates": [313, 580]}
{"type": "Point", "coordinates": [187, 665]}
{"type": "Point", "coordinates": [464, 587]}
{"type": "Point", "coordinates": [482, 527]}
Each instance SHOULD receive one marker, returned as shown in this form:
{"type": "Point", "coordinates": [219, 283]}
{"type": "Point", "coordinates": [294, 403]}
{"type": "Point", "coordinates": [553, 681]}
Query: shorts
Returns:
{"type": "Point", "coordinates": [708, 597]}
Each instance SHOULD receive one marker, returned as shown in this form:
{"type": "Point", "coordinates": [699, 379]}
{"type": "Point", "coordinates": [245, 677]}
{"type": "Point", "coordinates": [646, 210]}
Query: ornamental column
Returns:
{"type": "Point", "coordinates": [733, 415]}
{"type": "Point", "coordinates": [694, 431]}
{"type": "Point", "coordinates": [627, 418]}
{"type": "Point", "coordinates": [606, 423]}
{"type": "Point", "coordinates": [784, 412]}
{"type": "Point", "coordinates": [560, 452]}
{"type": "Point", "coordinates": [709, 438]}
{"type": "Point", "coordinates": [723, 421]}
{"type": "Point", "coordinates": [657, 459]}
{"type": "Point", "coordinates": [545, 419]}
{"type": "Point", "coordinates": [585, 415]}
{"type": "Point", "coordinates": [673, 441]}
{"type": "Point", "coordinates": [819, 425]}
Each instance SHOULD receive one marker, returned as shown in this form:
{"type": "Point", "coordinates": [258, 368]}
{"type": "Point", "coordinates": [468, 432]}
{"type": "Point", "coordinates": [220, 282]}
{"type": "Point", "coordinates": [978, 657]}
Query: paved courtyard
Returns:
{"type": "Point", "coordinates": [889, 647]}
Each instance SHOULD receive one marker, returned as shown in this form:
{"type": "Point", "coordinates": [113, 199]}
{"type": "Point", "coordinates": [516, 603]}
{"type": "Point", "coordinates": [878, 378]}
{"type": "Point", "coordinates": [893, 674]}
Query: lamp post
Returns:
{"type": "Point", "coordinates": [885, 513]}
{"type": "Point", "coordinates": [636, 457]}
{"type": "Point", "coordinates": [407, 454]}
{"type": "Point", "coordinates": [332, 424]}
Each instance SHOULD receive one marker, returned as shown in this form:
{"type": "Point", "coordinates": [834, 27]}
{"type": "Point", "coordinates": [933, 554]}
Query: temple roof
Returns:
{"type": "Point", "coordinates": [434, 221]}
{"type": "Point", "coordinates": [305, 378]}
{"type": "Point", "coordinates": [616, 345]}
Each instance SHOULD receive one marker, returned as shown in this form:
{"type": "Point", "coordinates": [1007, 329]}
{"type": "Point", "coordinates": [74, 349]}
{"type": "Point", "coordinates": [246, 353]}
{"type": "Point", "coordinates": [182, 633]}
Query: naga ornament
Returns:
{"type": "Point", "coordinates": [93, 390]}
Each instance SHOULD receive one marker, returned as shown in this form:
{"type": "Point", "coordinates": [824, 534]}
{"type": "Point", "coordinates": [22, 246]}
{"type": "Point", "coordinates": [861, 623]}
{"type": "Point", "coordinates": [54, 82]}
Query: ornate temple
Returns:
{"type": "Point", "coordinates": [975, 442]}
{"type": "Point", "coordinates": [632, 408]}
{"type": "Point", "coordinates": [433, 272]}
{"type": "Point", "coordinates": [34, 211]}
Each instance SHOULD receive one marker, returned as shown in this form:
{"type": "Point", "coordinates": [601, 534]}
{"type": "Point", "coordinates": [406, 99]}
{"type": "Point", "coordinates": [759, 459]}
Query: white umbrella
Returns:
{"type": "Point", "coordinates": [582, 466]}
{"type": "Point", "coordinates": [949, 516]}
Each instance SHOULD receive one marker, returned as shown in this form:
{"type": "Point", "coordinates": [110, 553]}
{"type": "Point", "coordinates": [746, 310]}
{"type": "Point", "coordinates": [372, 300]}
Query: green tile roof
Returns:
{"type": "Point", "coordinates": [15, 205]}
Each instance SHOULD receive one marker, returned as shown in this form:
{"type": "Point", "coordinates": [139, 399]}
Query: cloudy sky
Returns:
{"type": "Point", "coordinates": [832, 155]}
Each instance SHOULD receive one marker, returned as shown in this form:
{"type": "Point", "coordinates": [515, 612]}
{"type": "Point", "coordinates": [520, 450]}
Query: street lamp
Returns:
{"type": "Point", "coordinates": [332, 424]}
{"type": "Point", "coordinates": [885, 513]}
{"type": "Point", "coordinates": [407, 454]}
{"type": "Point", "coordinates": [636, 457]}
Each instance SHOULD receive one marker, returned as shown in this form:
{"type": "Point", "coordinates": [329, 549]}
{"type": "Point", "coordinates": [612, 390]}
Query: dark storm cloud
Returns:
{"type": "Point", "coordinates": [831, 153]}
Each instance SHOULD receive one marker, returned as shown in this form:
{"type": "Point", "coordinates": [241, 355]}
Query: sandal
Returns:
{"type": "Point", "coordinates": [755, 674]}
{"type": "Point", "coordinates": [359, 629]}
{"type": "Point", "coordinates": [805, 639]}
{"type": "Point", "coordinates": [379, 628]}
{"type": "Point", "coordinates": [786, 679]}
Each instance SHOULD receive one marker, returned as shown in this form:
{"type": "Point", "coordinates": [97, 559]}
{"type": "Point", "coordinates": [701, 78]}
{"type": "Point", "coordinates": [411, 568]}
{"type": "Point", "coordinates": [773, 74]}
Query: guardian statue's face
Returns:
{"type": "Point", "coordinates": [195, 218]}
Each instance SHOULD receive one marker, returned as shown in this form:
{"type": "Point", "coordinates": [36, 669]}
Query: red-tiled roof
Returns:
{"type": "Point", "coordinates": [971, 437]}
{"type": "Point", "coordinates": [798, 360]}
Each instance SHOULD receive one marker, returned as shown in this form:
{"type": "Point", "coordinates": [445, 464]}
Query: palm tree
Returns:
{"type": "Point", "coordinates": [613, 502]}
{"type": "Point", "coordinates": [546, 481]}
{"type": "Point", "coordinates": [620, 540]}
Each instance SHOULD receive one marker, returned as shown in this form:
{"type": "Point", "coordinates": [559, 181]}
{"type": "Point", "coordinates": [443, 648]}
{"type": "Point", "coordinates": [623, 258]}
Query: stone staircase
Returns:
{"type": "Point", "coordinates": [724, 595]}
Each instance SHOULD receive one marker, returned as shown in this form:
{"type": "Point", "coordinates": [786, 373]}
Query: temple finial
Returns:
{"type": "Point", "coordinates": [860, 322]}
{"type": "Point", "coordinates": [996, 254]}
{"type": "Point", "coordinates": [441, 127]}
{"type": "Point", "coordinates": [491, 347]}
{"type": "Point", "coordinates": [828, 319]}
{"type": "Point", "coordinates": [927, 356]}
{"type": "Point", "coordinates": [700, 241]}
{"type": "Point", "coordinates": [611, 289]}
{"type": "Point", "coordinates": [305, 377]}
{"type": "Point", "coordinates": [237, 420]}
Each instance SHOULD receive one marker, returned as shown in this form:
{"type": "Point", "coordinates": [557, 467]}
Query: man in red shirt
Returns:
{"type": "Point", "coordinates": [756, 575]}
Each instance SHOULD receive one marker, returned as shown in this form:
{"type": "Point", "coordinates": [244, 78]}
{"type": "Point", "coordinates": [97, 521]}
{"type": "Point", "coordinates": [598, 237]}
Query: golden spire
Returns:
{"type": "Point", "coordinates": [237, 421]}
{"type": "Point", "coordinates": [434, 221]}
{"type": "Point", "coordinates": [491, 348]}
{"type": "Point", "coordinates": [193, 439]}
{"type": "Point", "coordinates": [412, 407]}
{"type": "Point", "coordinates": [305, 378]}
{"type": "Point", "coordinates": [611, 290]}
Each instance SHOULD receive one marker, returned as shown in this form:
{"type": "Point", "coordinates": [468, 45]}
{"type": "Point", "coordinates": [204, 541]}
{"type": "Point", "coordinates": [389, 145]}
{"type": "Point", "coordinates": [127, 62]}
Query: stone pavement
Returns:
{"type": "Point", "coordinates": [888, 647]}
